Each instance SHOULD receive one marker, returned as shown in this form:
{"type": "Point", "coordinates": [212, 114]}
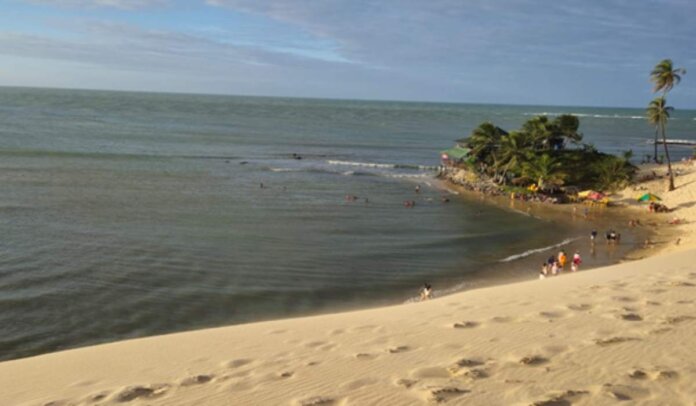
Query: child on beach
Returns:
{"type": "Point", "coordinates": [576, 262]}
{"type": "Point", "coordinates": [544, 271]}
{"type": "Point", "coordinates": [554, 268]}
{"type": "Point", "coordinates": [425, 292]}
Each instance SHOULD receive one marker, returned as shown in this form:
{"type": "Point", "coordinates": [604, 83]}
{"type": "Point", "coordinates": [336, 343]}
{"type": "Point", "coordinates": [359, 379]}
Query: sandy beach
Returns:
{"type": "Point", "coordinates": [619, 333]}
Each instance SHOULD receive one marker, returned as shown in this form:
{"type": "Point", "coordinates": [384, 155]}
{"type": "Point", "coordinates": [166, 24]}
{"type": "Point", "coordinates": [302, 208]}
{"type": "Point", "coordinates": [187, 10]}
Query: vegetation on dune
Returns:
{"type": "Point", "coordinates": [546, 153]}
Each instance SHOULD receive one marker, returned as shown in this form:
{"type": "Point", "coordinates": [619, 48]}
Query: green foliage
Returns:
{"type": "Point", "coordinates": [665, 76]}
{"type": "Point", "coordinates": [546, 171]}
{"type": "Point", "coordinates": [537, 154]}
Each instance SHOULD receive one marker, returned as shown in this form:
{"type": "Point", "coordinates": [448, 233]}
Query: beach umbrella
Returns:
{"type": "Point", "coordinates": [596, 196]}
{"type": "Point", "coordinates": [585, 193]}
{"type": "Point", "coordinates": [649, 197]}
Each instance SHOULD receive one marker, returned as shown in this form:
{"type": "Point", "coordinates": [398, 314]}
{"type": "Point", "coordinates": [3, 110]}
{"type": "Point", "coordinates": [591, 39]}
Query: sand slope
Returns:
{"type": "Point", "coordinates": [618, 333]}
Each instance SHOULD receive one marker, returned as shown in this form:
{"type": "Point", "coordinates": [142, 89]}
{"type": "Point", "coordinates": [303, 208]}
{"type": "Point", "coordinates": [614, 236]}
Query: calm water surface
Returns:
{"type": "Point", "coordinates": [132, 214]}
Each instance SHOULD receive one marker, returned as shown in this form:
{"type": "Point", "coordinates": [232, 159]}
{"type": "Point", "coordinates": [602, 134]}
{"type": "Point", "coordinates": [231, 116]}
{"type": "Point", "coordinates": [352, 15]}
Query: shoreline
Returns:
{"type": "Point", "coordinates": [627, 324]}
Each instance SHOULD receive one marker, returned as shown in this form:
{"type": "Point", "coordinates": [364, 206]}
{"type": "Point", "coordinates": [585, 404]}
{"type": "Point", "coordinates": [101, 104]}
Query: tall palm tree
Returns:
{"type": "Point", "coordinates": [658, 115]}
{"type": "Point", "coordinates": [546, 170]}
{"type": "Point", "coordinates": [664, 76]}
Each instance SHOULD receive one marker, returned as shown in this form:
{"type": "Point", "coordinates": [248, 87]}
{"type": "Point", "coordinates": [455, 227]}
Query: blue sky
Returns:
{"type": "Point", "coordinates": [562, 52]}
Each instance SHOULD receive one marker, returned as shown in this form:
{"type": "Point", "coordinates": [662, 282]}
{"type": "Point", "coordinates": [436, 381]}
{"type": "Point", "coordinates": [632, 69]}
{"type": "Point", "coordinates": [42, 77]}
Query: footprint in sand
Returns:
{"type": "Point", "coordinates": [623, 298]}
{"type": "Point", "coordinates": [624, 392]}
{"type": "Point", "coordinates": [447, 393]}
{"type": "Point", "coordinates": [465, 324]}
{"type": "Point", "coordinates": [678, 319]}
{"type": "Point", "coordinates": [406, 383]}
{"type": "Point", "coordinates": [318, 401]}
{"type": "Point", "coordinates": [637, 374]}
{"type": "Point", "coordinates": [314, 344]}
{"type": "Point", "coordinates": [140, 391]}
{"type": "Point", "coordinates": [580, 307]}
{"type": "Point", "coordinates": [502, 319]}
{"type": "Point", "coordinates": [533, 360]}
{"type": "Point", "coordinates": [631, 317]}
{"type": "Point", "coordinates": [614, 340]}
{"type": "Point", "coordinates": [238, 363]}
{"type": "Point", "coordinates": [399, 349]}
{"type": "Point", "coordinates": [196, 380]}
{"type": "Point", "coordinates": [97, 397]}
{"type": "Point", "coordinates": [680, 284]}
{"type": "Point", "coordinates": [277, 331]}
{"type": "Point", "coordinates": [365, 356]}
{"type": "Point", "coordinates": [667, 375]}
{"type": "Point", "coordinates": [565, 398]}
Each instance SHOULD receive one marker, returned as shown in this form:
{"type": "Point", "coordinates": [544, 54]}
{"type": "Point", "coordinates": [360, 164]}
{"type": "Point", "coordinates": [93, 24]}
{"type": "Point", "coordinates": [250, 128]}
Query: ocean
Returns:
{"type": "Point", "coordinates": [132, 214]}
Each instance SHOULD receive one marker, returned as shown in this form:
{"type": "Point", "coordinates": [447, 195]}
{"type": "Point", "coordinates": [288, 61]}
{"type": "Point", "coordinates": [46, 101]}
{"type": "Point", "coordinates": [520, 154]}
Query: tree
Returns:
{"type": "Point", "coordinates": [658, 115]}
{"type": "Point", "coordinates": [664, 76]}
{"type": "Point", "coordinates": [566, 126]}
{"type": "Point", "coordinates": [484, 140]}
{"type": "Point", "coordinates": [546, 170]}
{"type": "Point", "coordinates": [514, 151]}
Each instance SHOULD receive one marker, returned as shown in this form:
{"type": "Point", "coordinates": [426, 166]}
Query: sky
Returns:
{"type": "Point", "coordinates": [553, 52]}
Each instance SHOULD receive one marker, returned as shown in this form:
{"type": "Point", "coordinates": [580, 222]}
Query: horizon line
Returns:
{"type": "Point", "coordinates": [183, 93]}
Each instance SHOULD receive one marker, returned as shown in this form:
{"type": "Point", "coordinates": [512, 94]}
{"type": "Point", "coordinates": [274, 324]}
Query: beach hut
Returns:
{"type": "Point", "coordinates": [455, 155]}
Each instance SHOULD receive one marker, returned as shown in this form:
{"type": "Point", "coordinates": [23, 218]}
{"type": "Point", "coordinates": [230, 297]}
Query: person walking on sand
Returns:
{"type": "Point", "coordinates": [425, 292]}
{"type": "Point", "coordinates": [576, 262]}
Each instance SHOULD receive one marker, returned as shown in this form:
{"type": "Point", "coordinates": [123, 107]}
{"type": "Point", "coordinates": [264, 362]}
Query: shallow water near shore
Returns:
{"type": "Point", "coordinates": [127, 215]}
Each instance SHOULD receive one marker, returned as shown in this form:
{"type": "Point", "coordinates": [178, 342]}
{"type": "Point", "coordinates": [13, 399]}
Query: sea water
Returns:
{"type": "Point", "coordinates": [132, 214]}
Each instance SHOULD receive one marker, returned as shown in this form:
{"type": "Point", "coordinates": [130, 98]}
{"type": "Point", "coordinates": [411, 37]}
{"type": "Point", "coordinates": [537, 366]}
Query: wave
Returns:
{"type": "Point", "coordinates": [382, 165]}
{"type": "Point", "coordinates": [285, 169]}
{"type": "Point", "coordinates": [537, 250]}
{"type": "Point", "coordinates": [553, 114]}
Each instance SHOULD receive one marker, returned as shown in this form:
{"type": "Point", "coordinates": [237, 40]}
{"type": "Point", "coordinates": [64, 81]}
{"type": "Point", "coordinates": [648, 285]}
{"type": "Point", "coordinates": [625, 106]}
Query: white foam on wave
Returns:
{"type": "Point", "coordinates": [285, 169]}
{"type": "Point", "coordinates": [382, 165]}
{"type": "Point", "coordinates": [552, 114]}
{"type": "Point", "coordinates": [537, 250]}
{"type": "Point", "coordinates": [365, 164]}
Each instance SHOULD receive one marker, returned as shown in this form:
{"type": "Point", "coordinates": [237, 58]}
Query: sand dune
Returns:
{"type": "Point", "coordinates": [620, 333]}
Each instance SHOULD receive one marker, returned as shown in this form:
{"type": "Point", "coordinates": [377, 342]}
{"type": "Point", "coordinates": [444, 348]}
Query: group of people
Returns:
{"type": "Point", "coordinates": [556, 264]}
{"type": "Point", "coordinates": [658, 208]}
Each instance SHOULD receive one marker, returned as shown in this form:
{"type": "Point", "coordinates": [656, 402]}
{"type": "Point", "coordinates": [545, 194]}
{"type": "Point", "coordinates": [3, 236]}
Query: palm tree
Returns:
{"type": "Point", "coordinates": [514, 151]}
{"type": "Point", "coordinates": [484, 140]}
{"type": "Point", "coordinates": [546, 170]}
{"type": "Point", "coordinates": [566, 126]}
{"type": "Point", "coordinates": [664, 76]}
{"type": "Point", "coordinates": [658, 115]}
{"type": "Point", "coordinates": [539, 129]}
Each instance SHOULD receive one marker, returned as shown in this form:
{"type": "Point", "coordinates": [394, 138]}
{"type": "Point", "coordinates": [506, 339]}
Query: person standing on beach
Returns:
{"type": "Point", "coordinates": [562, 260]}
{"type": "Point", "coordinates": [576, 262]}
{"type": "Point", "coordinates": [426, 291]}
{"type": "Point", "coordinates": [593, 236]}
{"type": "Point", "coordinates": [554, 268]}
